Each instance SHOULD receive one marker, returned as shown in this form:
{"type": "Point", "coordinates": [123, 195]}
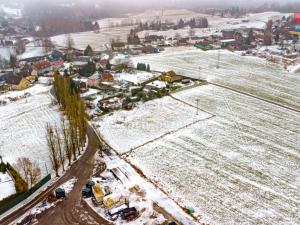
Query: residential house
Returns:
{"type": "Point", "coordinates": [154, 40]}
{"type": "Point", "coordinates": [228, 33]}
{"type": "Point", "coordinates": [238, 45]}
{"type": "Point", "coordinates": [170, 77]}
{"type": "Point", "coordinates": [42, 67]}
{"type": "Point", "coordinates": [58, 64]}
{"type": "Point", "coordinates": [225, 43]}
{"type": "Point", "coordinates": [106, 76]}
{"type": "Point", "coordinates": [149, 50]}
{"type": "Point", "coordinates": [94, 80]}
{"type": "Point", "coordinates": [80, 84]}
{"type": "Point", "coordinates": [156, 85]}
{"type": "Point", "coordinates": [136, 49]}
{"type": "Point", "coordinates": [110, 104]}
{"type": "Point", "coordinates": [17, 82]}
{"type": "Point", "coordinates": [118, 47]}
{"type": "Point", "coordinates": [101, 63]}
{"type": "Point", "coordinates": [183, 42]}
{"type": "Point", "coordinates": [57, 55]}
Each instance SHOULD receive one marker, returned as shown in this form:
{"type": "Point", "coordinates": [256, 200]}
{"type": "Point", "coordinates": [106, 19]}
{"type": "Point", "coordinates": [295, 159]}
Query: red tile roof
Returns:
{"type": "Point", "coordinates": [41, 64]}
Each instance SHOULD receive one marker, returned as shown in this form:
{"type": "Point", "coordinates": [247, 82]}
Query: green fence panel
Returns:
{"type": "Point", "coordinates": [24, 195]}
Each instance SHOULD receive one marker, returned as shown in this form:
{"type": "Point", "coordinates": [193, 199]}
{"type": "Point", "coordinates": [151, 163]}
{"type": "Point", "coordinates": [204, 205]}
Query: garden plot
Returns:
{"type": "Point", "coordinates": [23, 126]}
{"type": "Point", "coordinates": [126, 130]}
{"type": "Point", "coordinates": [248, 74]}
{"type": "Point", "coordinates": [135, 78]}
{"type": "Point", "coordinates": [239, 167]}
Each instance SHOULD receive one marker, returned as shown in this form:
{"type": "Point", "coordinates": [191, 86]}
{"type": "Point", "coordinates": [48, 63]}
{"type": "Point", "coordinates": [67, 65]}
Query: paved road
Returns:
{"type": "Point", "coordinates": [71, 210]}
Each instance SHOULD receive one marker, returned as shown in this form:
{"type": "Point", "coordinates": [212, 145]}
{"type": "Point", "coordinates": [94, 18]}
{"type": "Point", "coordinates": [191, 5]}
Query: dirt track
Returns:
{"type": "Point", "coordinates": [71, 210]}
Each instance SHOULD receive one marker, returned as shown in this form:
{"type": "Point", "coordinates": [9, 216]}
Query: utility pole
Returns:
{"type": "Point", "coordinates": [200, 73]}
{"type": "Point", "coordinates": [46, 168]}
{"type": "Point", "coordinates": [218, 62]}
{"type": "Point", "coordinates": [197, 100]}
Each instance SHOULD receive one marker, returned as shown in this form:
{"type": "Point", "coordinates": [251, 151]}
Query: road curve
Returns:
{"type": "Point", "coordinates": [72, 210]}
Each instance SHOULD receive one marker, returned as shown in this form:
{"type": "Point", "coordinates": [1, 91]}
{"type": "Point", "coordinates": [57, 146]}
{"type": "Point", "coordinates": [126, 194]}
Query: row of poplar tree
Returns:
{"type": "Point", "coordinates": [67, 142]}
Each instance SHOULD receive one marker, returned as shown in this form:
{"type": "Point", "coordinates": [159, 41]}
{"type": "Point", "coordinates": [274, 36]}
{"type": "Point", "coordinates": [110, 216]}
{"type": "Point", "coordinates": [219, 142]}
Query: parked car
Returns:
{"type": "Point", "coordinates": [60, 193]}
{"type": "Point", "coordinates": [171, 223]}
{"type": "Point", "coordinates": [129, 213]}
{"type": "Point", "coordinates": [86, 193]}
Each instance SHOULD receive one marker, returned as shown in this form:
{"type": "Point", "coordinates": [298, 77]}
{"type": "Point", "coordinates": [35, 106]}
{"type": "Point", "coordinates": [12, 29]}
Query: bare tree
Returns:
{"type": "Point", "coordinates": [20, 46]}
{"type": "Point", "coordinates": [13, 61]}
{"type": "Point", "coordinates": [70, 46]}
{"type": "Point", "coordinates": [66, 139]}
{"type": "Point", "coordinates": [60, 151]}
{"type": "Point", "coordinates": [69, 41]}
{"type": "Point", "coordinates": [52, 147]}
{"type": "Point", "coordinates": [30, 171]}
{"type": "Point", "coordinates": [3, 62]}
{"type": "Point", "coordinates": [47, 45]}
{"type": "Point", "coordinates": [192, 33]}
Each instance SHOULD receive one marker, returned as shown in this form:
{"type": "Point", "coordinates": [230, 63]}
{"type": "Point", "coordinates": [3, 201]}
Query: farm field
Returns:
{"type": "Point", "coordinates": [126, 130]}
{"type": "Point", "coordinates": [248, 74]}
{"type": "Point", "coordinates": [23, 125]}
{"type": "Point", "coordinates": [239, 167]}
{"type": "Point", "coordinates": [97, 41]}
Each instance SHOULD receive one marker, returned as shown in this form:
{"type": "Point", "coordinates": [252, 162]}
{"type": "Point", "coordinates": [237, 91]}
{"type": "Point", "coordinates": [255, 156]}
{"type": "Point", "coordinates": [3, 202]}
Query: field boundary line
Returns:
{"type": "Point", "coordinates": [254, 96]}
{"type": "Point", "coordinates": [140, 172]}
{"type": "Point", "coordinates": [126, 154]}
{"type": "Point", "coordinates": [186, 103]}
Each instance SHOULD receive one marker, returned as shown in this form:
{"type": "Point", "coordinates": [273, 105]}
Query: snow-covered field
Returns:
{"type": "Point", "coordinates": [118, 28]}
{"type": "Point", "coordinates": [126, 130]}
{"type": "Point", "coordinates": [23, 125]}
{"type": "Point", "coordinates": [248, 74]}
{"type": "Point", "coordinates": [7, 186]}
{"type": "Point", "coordinates": [5, 53]}
{"type": "Point", "coordinates": [240, 167]}
{"type": "Point", "coordinates": [32, 51]}
{"type": "Point", "coordinates": [97, 41]}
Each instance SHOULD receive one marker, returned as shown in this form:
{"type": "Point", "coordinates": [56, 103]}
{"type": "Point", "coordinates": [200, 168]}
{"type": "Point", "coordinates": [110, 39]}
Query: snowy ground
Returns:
{"type": "Point", "coordinates": [43, 206]}
{"type": "Point", "coordinates": [126, 130]}
{"type": "Point", "coordinates": [23, 125]}
{"type": "Point", "coordinates": [7, 186]}
{"type": "Point", "coordinates": [97, 41]}
{"type": "Point", "coordinates": [248, 74]}
{"type": "Point", "coordinates": [14, 12]}
{"type": "Point", "coordinates": [68, 186]}
{"type": "Point", "coordinates": [110, 28]}
{"type": "Point", "coordinates": [5, 53]}
{"type": "Point", "coordinates": [240, 167]}
{"type": "Point", "coordinates": [137, 78]}
{"type": "Point", "coordinates": [32, 51]}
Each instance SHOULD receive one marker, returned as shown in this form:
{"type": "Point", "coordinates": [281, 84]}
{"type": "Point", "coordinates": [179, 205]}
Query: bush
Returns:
{"type": "Point", "coordinates": [2, 167]}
